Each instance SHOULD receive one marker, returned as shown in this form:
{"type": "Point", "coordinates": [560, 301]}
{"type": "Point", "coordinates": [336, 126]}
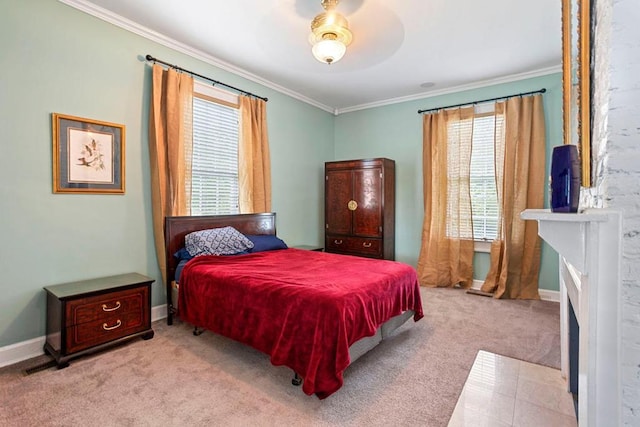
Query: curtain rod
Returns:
{"type": "Point", "coordinates": [215, 82]}
{"type": "Point", "coordinates": [543, 90]}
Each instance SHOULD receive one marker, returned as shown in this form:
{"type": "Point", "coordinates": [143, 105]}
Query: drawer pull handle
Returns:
{"type": "Point", "coordinates": [366, 244]}
{"type": "Point", "coordinates": [338, 242]}
{"type": "Point", "coordinates": [111, 328]}
{"type": "Point", "coordinates": [105, 308]}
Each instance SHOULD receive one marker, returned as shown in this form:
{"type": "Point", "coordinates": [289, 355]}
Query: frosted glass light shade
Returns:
{"type": "Point", "coordinates": [328, 51]}
{"type": "Point", "coordinates": [330, 34]}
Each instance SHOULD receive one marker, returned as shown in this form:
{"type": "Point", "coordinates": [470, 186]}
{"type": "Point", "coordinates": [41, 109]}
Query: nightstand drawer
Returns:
{"type": "Point", "coordinates": [101, 331]}
{"type": "Point", "coordinates": [101, 307]}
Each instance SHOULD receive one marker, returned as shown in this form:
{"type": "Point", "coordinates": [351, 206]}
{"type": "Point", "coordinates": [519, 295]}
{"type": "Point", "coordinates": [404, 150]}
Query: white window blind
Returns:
{"type": "Point", "coordinates": [459, 134]}
{"type": "Point", "coordinates": [484, 196]}
{"type": "Point", "coordinates": [214, 180]}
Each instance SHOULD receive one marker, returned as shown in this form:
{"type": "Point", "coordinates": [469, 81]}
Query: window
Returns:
{"type": "Point", "coordinates": [484, 195]}
{"type": "Point", "coordinates": [482, 130]}
{"type": "Point", "coordinates": [214, 175]}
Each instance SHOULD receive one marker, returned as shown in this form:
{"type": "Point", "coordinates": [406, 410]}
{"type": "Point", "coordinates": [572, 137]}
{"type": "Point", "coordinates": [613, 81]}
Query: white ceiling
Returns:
{"type": "Point", "coordinates": [397, 45]}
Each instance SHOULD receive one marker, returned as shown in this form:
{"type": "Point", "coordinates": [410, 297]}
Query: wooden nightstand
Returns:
{"type": "Point", "coordinates": [309, 247]}
{"type": "Point", "coordinates": [90, 315]}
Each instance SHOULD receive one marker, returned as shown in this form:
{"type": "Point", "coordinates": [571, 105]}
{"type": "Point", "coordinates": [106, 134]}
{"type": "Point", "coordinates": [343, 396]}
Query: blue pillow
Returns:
{"type": "Point", "coordinates": [183, 255]}
{"type": "Point", "coordinates": [216, 241]}
{"type": "Point", "coordinates": [264, 242]}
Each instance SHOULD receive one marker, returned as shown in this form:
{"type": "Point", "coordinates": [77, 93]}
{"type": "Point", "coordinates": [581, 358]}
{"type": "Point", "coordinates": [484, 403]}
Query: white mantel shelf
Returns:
{"type": "Point", "coordinates": [561, 229]}
{"type": "Point", "coordinates": [589, 246]}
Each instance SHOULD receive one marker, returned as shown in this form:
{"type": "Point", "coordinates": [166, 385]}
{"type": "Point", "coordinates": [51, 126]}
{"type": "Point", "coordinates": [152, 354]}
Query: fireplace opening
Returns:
{"type": "Point", "coordinates": [574, 351]}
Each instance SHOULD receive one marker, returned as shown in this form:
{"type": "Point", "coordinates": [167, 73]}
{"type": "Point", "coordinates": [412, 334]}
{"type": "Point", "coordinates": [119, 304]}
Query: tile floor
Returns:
{"type": "Point", "coordinates": [501, 391]}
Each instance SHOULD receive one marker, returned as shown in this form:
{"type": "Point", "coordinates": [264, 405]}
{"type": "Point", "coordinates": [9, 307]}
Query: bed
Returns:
{"type": "Point", "coordinates": [313, 312]}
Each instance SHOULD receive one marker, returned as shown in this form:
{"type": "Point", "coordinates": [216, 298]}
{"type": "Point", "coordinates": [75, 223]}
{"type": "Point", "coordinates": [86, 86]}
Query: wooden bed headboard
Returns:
{"type": "Point", "coordinates": [176, 227]}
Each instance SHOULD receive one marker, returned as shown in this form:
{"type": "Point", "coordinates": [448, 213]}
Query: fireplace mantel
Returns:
{"type": "Point", "coordinates": [589, 247]}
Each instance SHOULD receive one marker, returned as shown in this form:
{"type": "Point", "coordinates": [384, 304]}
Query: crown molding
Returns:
{"type": "Point", "coordinates": [475, 85]}
{"type": "Point", "coordinates": [126, 24]}
{"type": "Point", "coordinates": [163, 40]}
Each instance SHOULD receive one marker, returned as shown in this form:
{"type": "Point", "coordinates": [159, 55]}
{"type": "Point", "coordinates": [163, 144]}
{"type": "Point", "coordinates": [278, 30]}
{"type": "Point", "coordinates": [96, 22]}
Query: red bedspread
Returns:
{"type": "Point", "coordinates": [302, 308]}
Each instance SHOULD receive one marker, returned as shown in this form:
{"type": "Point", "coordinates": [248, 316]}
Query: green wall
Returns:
{"type": "Point", "coordinates": [395, 131]}
{"type": "Point", "coordinates": [55, 58]}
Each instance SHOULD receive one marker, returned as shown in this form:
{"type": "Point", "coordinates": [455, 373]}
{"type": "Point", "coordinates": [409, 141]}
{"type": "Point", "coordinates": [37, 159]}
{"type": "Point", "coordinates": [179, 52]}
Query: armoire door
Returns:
{"type": "Point", "coordinates": [367, 192]}
{"type": "Point", "coordinates": [338, 192]}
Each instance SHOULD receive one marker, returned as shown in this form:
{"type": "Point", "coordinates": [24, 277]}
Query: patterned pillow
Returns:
{"type": "Point", "coordinates": [216, 241]}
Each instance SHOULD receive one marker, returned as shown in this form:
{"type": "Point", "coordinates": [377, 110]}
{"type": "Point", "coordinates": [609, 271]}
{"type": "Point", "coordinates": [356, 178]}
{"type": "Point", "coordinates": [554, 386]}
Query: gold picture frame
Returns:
{"type": "Point", "coordinates": [576, 80]}
{"type": "Point", "coordinates": [88, 155]}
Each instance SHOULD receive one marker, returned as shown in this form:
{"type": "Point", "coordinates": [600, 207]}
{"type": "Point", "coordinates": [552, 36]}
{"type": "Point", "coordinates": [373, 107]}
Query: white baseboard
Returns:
{"type": "Point", "coordinates": [24, 350]}
{"type": "Point", "coordinates": [20, 351]}
{"type": "Point", "coordinates": [545, 294]}
{"type": "Point", "coordinates": [158, 312]}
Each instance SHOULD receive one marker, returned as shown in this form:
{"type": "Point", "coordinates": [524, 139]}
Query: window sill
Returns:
{"type": "Point", "coordinates": [482, 246]}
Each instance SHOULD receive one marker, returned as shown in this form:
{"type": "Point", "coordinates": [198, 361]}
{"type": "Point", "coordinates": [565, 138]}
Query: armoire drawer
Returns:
{"type": "Point", "coordinates": [359, 245]}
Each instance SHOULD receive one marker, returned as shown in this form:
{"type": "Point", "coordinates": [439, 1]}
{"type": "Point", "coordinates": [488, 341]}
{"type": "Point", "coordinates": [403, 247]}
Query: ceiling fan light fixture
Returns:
{"type": "Point", "coordinates": [328, 50]}
{"type": "Point", "coordinates": [330, 34]}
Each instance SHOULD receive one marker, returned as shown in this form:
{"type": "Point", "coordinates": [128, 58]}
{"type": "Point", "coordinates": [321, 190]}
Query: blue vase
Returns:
{"type": "Point", "coordinates": [565, 179]}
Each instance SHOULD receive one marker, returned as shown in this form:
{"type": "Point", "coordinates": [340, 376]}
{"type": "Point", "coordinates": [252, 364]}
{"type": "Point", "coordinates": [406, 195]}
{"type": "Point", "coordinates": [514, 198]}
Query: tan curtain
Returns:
{"type": "Point", "coordinates": [254, 162]}
{"type": "Point", "coordinates": [515, 255]}
{"type": "Point", "coordinates": [446, 254]}
{"type": "Point", "coordinates": [170, 146]}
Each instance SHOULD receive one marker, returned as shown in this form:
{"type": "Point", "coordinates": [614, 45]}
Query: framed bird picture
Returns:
{"type": "Point", "coordinates": [88, 156]}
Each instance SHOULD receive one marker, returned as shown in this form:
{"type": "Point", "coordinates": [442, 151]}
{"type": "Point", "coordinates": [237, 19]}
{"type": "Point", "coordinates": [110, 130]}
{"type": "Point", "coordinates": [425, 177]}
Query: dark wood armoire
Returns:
{"type": "Point", "coordinates": [360, 207]}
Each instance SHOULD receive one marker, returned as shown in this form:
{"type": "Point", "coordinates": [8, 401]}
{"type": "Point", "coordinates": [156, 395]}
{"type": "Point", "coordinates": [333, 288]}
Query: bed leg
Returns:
{"type": "Point", "coordinates": [170, 312]}
{"type": "Point", "coordinates": [197, 331]}
{"type": "Point", "coordinates": [296, 379]}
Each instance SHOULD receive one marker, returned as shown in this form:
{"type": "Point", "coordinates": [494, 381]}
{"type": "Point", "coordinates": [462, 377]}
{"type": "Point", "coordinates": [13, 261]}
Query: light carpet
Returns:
{"type": "Point", "coordinates": [177, 379]}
